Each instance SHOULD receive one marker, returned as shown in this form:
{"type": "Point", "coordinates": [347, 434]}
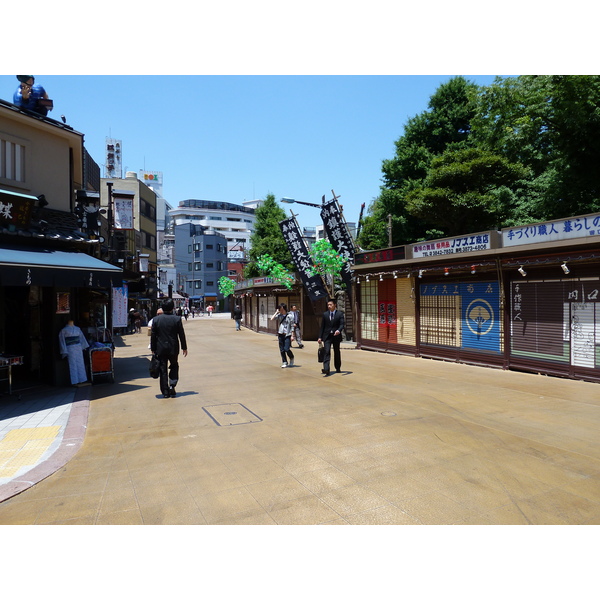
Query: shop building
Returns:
{"type": "Point", "coordinates": [50, 268]}
{"type": "Point", "coordinates": [523, 298]}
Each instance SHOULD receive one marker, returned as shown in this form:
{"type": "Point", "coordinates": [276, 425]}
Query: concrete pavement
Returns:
{"type": "Point", "coordinates": [390, 440]}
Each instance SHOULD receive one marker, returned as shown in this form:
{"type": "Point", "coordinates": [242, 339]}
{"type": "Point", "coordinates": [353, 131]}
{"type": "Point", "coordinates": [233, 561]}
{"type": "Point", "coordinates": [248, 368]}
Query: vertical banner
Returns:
{"type": "Point", "coordinates": [119, 306]}
{"type": "Point", "coordinates": [123, 212]}
{"type": "Point", "coordinates": [338, 235]}
{"type": "Point", "coordinates": [293, 238]}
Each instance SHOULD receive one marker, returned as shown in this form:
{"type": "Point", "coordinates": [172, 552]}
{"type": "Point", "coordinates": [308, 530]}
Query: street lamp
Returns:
{"type": "Point", "coordinates": [292, 201]}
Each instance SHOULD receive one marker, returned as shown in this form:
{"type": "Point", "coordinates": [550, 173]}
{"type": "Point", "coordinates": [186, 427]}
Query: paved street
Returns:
{"type": "Point", "coordinates": [390, 440]}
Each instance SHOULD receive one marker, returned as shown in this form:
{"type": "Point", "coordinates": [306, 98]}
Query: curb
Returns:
{"type": "Point", "coordinates": [71, 442]}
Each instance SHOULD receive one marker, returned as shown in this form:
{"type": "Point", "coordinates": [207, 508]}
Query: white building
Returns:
{"type": "Point", "coordinates": [234, 221]}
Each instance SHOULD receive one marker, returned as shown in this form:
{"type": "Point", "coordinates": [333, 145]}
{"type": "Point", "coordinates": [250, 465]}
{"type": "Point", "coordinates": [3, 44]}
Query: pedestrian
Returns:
{"type": "Point", "coordinates": [237, 315]}
{"type": "Point", "coordinates": [332, 326]}
{"type": "Point", "coordinates": [210, 309]}
{"type": "Point", "coordinates": [297, 333]}
{"type": "Point", "coordinates": [158, 312]}
{"type": "Point", "coordinates": [285, 326]}
{"type": "Point", "coordinates": [193, 311]}
{"type": "Point", "coordinates": [167, 333]}
{"type": "Point", "coordinates": [186, 312]}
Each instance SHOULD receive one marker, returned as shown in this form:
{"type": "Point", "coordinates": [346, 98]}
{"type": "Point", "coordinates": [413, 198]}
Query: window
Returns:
{"type": "Point", "coordinates": [189, 266]}
{"type": "Point", "coordinates": [12, 160]}
{"type": "Point", "coordinates": [149, 240]}
{"type": "Point", "coordinates": [210, 284]}
{"type": "Point", "coordinates": [209, 246]}
{"type": "Point", "coordinates": [198, 266]}
{"type": "Point", "coordinates": [210, 265]}
{"type": "Point", "coordinates": [198, 284]}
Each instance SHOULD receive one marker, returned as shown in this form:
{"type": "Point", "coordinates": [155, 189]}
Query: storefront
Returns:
{"type": "Point", "coordinates": [40, 289]}
{"type": "Point", "coordinates": [523, 298]}
{"type": "Point", "coordinates": [259, 298]}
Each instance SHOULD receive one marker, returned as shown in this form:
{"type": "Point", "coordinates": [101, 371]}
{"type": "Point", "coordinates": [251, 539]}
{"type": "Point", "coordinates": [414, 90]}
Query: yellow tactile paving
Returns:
{"type": "Point", "coordinates": [24, 447]}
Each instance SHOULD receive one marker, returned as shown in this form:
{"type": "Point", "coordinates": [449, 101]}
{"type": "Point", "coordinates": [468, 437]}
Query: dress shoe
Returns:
{"type": "Point", "coordinates": [326, 373]}
{"type": "Point", "coordinates": [338, 370]}
{"type": "Point", "coordinates": [172, 392]}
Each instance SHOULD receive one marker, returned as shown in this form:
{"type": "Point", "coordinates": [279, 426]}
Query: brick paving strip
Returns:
{"type": "Point", "coordinates": [72, 439]}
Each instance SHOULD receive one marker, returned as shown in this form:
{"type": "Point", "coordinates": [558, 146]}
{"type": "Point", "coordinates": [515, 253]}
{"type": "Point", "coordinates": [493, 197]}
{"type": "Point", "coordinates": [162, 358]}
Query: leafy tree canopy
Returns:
{"type": "Point", "coordinates": [267, 237]}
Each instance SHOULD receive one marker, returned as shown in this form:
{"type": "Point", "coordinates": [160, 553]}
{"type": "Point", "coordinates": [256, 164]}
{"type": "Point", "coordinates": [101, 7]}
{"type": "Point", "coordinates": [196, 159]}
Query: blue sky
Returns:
{"type": "Point", "coordinates": [235, 138]}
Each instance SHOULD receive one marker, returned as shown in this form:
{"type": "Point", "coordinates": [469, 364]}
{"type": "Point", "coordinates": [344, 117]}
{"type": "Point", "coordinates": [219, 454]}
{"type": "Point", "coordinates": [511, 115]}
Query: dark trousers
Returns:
{"type": "Point", "coordinates": [285, 342]}
{"type": "Point", "coordinates": [169, 372]}
{"type": "Point", "coordinates": [329, 342]}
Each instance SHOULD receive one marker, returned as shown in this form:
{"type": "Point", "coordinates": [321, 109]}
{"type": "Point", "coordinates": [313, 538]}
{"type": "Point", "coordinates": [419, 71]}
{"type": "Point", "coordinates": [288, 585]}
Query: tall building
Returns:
{"type": "Point", "coordinates": [234, 221]}
{"type": "Point", "coordinates": [133, 245]}
{"type": "Point", "coordinates": [200, 259]}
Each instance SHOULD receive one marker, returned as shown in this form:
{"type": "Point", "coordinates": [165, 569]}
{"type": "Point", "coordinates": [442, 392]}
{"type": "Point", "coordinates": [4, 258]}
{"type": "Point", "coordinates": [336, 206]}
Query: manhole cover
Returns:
{"type": "Point", "coordinates": [388, 413]}
{"type": "Point", "coordinates": [224, 414]}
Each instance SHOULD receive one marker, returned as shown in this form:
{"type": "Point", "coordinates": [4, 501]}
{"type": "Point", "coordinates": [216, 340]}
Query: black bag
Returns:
{"type": "Point", "coordinates": [321, 353]}
{"type": "Point", "coordinates": [154, 367]}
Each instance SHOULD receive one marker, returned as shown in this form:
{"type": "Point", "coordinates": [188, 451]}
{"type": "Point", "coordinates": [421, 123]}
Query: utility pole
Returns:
{"type": "Point", "coordinates": [389, 228]}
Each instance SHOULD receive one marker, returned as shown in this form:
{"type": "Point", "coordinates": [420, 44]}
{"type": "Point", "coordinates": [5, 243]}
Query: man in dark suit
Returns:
{"type": "Point", "coordinates": [167, 332]}
{"type": "Point", "coordinates": [332, 326]}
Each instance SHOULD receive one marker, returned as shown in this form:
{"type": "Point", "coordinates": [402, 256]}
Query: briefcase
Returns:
{"type": "Point", "coordinates": [321, 353]}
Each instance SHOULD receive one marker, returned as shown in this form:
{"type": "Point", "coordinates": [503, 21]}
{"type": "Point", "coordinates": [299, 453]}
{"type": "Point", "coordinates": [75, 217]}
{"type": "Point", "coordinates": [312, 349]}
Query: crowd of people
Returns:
{"type": "Point", "coordinates": [167, 337]}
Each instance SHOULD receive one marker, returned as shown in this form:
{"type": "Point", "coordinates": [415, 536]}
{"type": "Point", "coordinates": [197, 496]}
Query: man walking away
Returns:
{"type": "Point", "coordinates": [167, 333]}
{"type": "Point", "coordinates": [297, 333]}
{"type": "Point", "coordinates": [332, 326]}
{"type": "Point", "coordinates": [237, 315]}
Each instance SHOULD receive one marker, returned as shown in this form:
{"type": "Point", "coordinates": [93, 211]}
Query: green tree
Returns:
{"type": "Point", "coordinates": [551, 125]}
{"type": "Point", "coordinates": [226, 286]}
{"type": "Point", "coordinates": [328, 263]}
{"type": "Point", "coordinates": [271, 268]}
{"type": "Point", "coordinates": [267, 237]}
{"type": "Point", "coordinates": [445, 125]}
{"type": "Point", "coordinates": [466, 191]}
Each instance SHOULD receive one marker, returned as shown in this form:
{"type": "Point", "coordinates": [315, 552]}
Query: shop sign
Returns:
{"type": "Point", "coordinates": [457, 245]}
{"type": "Point", "coordinates": [366, 258]}
{"type": "Point", "coordinates": [552, 231]}
{"type": "Point", "coordinates": [15, 210]}
{"type": "Point", "coordinates": [123, 213]}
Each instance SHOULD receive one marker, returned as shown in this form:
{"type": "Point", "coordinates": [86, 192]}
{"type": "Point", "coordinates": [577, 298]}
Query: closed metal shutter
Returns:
{"type": "Point", "coordinates": [555, 326]}
{"type": "Point", "coordinates": [464, 318]}
{"type": "Point", "coordinates": [406, 330]}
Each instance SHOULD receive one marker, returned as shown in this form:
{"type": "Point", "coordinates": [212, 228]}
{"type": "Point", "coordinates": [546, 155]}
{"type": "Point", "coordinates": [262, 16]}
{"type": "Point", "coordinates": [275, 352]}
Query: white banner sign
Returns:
{"type": "Point", "coordinates": [552, 231]}
{"type": "Point", "coordinates": [119, 306]}
{"type": "Point", "coordinates": [457, 245]}
{"type": "Point", "coordinates": [123, 213]}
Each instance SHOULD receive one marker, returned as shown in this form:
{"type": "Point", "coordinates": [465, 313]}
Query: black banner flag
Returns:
{"type": "Point", "coordinates": [338, 235]}
{"type": "Point", "coordinates": [293, 238]}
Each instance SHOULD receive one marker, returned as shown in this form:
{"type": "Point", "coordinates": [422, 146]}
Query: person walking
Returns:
{"type": "Point", "coordinates": [297, 333]}
{"type": "Point", "coordinates": [158, 312]}
{"type": "Point", "coordinates": [332, 326]}
{"type": "Point", "coordinates": [285, 326]}
{"type": "Point", "coordinates": [167, 333]}
{"type": "Point", "coordinates": [237, 316]}
{"type": "Point", "coordinates": [209, 310]}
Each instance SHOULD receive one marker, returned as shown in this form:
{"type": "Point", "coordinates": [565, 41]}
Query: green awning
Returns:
{"type": "Point", "coordinates": [25, 265]}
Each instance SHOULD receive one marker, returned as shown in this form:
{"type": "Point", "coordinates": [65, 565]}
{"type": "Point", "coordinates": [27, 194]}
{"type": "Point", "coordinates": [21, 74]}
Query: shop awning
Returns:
{"type": "Point", "coordinates": [23, 265]}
